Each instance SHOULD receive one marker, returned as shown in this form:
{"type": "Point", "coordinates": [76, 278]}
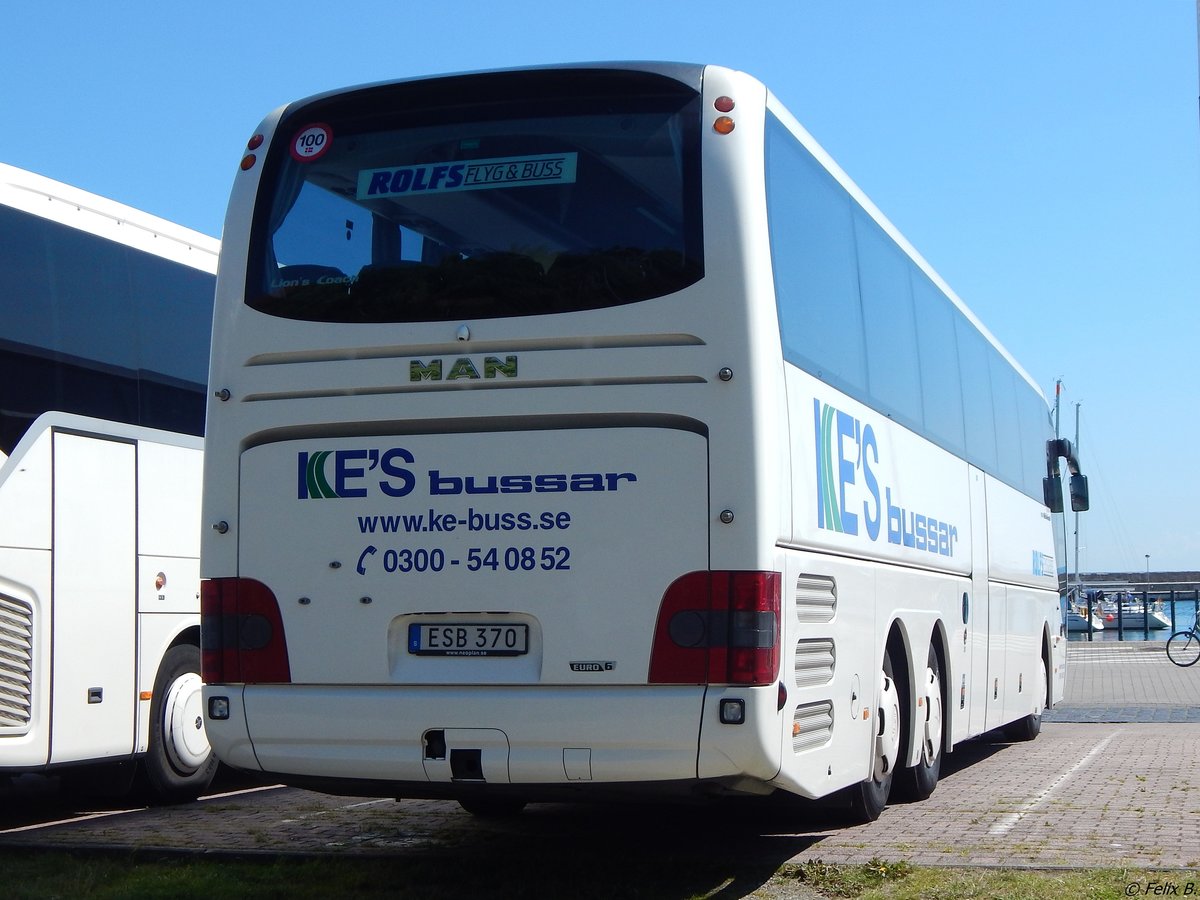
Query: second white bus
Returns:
{"type": "Point", "coordinates": [584, 432]}
{"type": "Point", "coordinates": [103, 353]}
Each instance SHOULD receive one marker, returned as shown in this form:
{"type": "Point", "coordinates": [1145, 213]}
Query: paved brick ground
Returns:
{"type": "Point", "coordinates": [1080, 795]}
{"type": "Point", "coordinates": [1127, 681]}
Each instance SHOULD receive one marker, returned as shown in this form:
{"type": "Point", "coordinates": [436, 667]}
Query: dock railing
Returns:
{"type": "Point", "coordinates": [1132, 609]}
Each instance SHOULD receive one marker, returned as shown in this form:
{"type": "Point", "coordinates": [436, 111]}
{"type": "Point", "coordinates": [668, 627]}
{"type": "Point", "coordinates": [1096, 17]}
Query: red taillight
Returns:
{"type": "Point", "coordinates": [718, 628]}
{"type": "Point", "coordinates": [241, 633]}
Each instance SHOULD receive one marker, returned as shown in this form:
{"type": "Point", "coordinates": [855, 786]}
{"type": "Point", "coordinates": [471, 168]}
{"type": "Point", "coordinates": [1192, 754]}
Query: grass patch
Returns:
{"type": "Point", "coordinates": [35, 874]}
{"type": "Point", "coordinates": [878, 880]}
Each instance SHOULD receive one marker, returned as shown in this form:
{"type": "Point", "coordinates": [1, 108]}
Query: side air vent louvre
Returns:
{"type": "Point", "coordinates": [812, 726]}
{"type": "Point", "coordinates": [816, 598]}
{"type": "Point", "coordinates": [16, 664]}
{"type": "Point", "coordinates": [814, 662]}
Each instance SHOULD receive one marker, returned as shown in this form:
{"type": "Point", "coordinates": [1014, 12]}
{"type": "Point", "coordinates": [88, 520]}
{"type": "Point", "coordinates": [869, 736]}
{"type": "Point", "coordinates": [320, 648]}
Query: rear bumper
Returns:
{"type": "Point", "coordinates": [447, 741]}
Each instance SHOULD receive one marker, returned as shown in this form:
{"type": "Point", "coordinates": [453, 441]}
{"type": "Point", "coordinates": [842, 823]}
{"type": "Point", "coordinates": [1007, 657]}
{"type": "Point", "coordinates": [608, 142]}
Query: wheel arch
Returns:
{"type": "Point", "coordinates": [1048, 661]}
{"type": "Point", "coordinates": [939, 640]}
{"type": "Point", "coordinates": [156, 640]}
{"type": "Point", "coordinates": [910, 650]}
{"type": "Point", "coordinates": [899, 645]}
{"type": "Point", "coordinates": [189, 635]}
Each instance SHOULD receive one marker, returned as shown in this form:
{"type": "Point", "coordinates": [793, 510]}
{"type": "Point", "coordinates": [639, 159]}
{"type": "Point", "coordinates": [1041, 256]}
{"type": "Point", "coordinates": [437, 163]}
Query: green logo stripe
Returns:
{"type": "Point", "coordinates": [318, 486]}
{"type": "Point", "coordinates": [833, 512]}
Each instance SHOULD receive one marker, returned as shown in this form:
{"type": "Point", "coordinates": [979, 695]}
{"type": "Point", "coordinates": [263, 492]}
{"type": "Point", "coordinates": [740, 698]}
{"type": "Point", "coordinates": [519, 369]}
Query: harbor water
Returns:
{"type": "Point", "coordinates": [1182, 614]}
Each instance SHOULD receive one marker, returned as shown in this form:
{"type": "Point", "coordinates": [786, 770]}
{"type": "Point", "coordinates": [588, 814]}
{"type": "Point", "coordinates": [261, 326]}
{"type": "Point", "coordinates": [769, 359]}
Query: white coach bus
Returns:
{"type": "Point", "coordinates": [103, 354]}
{"type": "Point", "coordinates": [584, 431]}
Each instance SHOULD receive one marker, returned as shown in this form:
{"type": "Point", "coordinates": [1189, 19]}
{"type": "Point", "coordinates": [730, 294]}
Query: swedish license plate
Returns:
{"type": "Point", "coordinates": [467, 639]}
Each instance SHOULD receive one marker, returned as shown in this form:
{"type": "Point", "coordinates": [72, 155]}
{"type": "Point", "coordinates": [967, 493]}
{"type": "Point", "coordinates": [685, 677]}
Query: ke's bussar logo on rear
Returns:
{"type": "Point", "coordinates": [849, 497]}
{"type": "Point", "coordinates": [344, 474]}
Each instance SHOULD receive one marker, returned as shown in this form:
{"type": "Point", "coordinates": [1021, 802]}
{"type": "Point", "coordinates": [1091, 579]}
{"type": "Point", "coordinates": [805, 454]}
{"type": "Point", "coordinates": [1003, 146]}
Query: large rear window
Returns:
{"type": "Point", "coordinates": [508, 194]}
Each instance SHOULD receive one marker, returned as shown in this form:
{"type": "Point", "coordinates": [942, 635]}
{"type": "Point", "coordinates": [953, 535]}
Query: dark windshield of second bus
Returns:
{"type": "Point", "coordinates": [481, 196]}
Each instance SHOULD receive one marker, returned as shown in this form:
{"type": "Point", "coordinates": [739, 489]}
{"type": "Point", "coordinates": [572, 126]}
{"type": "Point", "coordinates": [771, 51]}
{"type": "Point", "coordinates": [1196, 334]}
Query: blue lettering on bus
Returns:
{"type": "Point", "coordinates": [848, 457]}
{"type": "Point", "coordinates": [847, 428]}
{"type": "Point", "coordinates": [356, 474]}
{"type": "Point", "coordinates": [412, 179]}
{"type": "Point", "coordinates": [1043, 564]}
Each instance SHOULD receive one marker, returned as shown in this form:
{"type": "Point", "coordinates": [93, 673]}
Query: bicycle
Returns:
{"type": "Point", "coordinates": [1183, 647]}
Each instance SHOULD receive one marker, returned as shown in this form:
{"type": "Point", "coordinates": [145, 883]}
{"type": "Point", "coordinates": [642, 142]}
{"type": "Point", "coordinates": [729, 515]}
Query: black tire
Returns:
{"type": "Point", "coordinates": [179, 762]}
{"type": "Point", "coordinates": [492, 807]}
{"type": "Point", "coordinates": [919, 781]}
{"type": "Point", "coordinates": [1029, 727]}
{"type": "Point", "coordinates": [1183, 648]}
{"type": "Point", "coordinates": [869, 798]}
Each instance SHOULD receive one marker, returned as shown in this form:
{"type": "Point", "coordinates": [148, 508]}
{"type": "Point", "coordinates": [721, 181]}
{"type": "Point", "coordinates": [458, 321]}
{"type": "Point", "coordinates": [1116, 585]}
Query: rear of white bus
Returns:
{"type": "Point", "coordinates": [492, 488]}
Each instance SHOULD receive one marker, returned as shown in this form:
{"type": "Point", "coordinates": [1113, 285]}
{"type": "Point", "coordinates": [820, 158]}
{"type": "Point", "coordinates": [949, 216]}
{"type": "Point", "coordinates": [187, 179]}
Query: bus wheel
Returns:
{"type": "Point", "coordinates": [179, 762]}
{"type": "Point", "coordinates": [492, 807]}
{"type": "Point", "coordinates": [918, 782]}
{"type": "Point", "coordinates": [868, 798]}
{"type": "Point", "coordinates": [1028, 727]}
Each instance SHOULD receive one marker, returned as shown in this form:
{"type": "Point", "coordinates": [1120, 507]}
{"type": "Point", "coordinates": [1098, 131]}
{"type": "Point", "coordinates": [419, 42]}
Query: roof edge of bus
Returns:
{"type": "Point", "coordinates": [77, 423]}
{"type": "Point", "coordinates": [28, 191]}
{"type": "Point", "coordinates": [681, 71]}
{"type": "Point", "coordinates": [776, 106]}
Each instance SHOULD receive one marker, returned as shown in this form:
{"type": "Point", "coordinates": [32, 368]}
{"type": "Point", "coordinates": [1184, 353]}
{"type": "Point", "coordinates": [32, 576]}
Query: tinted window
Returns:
{"type": "Point", "coordinates": [856, 311]}
{"type": "Point", "coordinates": [975, 356]}
{"type": "Point", "coordinates": [889, 323]}
{"type": "Point", "coordinates": [938, 350]}
{"type": "Point", "coordinates": [476, 197]}
{"type": "Point", "coordinates": [1035, 432]}
{"type": "Point", "coordinates": [1010, 442]}
{"type": "Point", "coordinates": [816, 270]}
{"type": "Point", "coordinates": [93, 327]}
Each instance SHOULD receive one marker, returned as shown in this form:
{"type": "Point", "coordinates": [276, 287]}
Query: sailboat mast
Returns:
{"type": "Point", "coordinates": [1077, 405]}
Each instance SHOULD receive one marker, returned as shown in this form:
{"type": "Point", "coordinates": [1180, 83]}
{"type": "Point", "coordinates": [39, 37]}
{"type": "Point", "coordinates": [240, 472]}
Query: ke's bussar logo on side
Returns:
{"type": "Point", "coordinates": [849, 498]}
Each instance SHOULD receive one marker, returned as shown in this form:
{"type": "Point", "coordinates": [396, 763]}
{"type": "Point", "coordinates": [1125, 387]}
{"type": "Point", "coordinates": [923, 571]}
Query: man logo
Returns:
{"type": "Point", "coordinates": [462, 369]}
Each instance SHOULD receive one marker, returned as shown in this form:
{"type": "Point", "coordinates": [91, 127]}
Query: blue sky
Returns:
{"type": "Point", "coordinates": [1044, 157]}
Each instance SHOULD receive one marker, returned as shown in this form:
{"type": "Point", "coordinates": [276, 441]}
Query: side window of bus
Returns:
{"type": "Point", "coordinates": [858, 313]}
{"type": "Point", "coordinates": [816, 277]}
{"type": "Point", "coordinates": [1036, 429]}
{"type": "Point", "coordinates": [940, 375]}
{"type": "Point", "coordinates": [980, 389]}
{"type": "Point", "coordinates": [893, 373]}
{"type": "Point", "coordinates": [1009, 440]}
{"type": "Point", "coordinates": [95, 327]}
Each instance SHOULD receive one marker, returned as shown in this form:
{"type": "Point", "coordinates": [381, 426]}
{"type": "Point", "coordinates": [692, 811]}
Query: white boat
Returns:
{"type": "Point", "coordinates": [1134, 615]}
{"type": "Point", "coordinates": [1077, 620]}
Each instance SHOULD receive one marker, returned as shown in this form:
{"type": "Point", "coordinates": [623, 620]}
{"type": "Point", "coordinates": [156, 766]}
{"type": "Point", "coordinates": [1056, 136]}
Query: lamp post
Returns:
{"type": "Point", "coordinates": [1147, 571]}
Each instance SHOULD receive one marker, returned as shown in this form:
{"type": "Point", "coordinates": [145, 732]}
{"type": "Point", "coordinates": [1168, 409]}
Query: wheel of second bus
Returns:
{"type": "Point", "coordinates": [1183, 648]}
{"type": "Point", "coordinates": [179, 762]}
{"type": "Point", "coordinates": [868, 798]}
{"type": "Point", "coordinates": [919, 781]}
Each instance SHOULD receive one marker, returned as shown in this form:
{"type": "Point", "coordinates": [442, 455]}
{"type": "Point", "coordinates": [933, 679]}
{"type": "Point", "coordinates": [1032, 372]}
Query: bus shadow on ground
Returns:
{"type": "Point", "coordinates": [31, 798]}
{"type": "Point", "coordinates": [724, 849]}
